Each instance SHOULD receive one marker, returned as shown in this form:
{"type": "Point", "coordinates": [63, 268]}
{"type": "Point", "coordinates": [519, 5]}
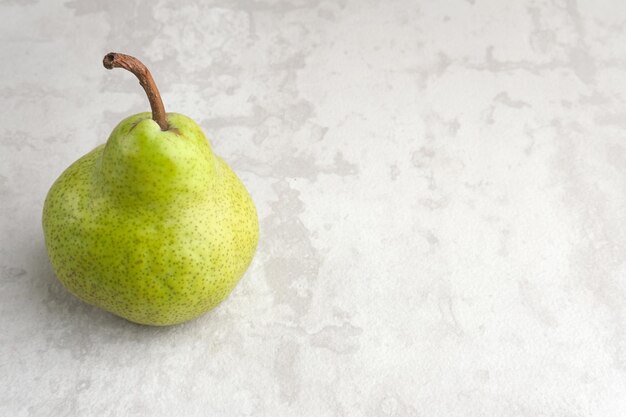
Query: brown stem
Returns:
{"type": "Point", "coordinates": [132, 64]}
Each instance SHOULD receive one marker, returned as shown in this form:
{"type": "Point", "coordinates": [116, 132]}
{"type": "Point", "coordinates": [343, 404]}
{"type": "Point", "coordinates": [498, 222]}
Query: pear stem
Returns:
{"type": "Point", "coordinates": [132, 64]}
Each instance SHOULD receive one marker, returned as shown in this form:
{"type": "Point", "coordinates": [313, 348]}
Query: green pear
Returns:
{"type": "Point", "coordinates": [152, 226]}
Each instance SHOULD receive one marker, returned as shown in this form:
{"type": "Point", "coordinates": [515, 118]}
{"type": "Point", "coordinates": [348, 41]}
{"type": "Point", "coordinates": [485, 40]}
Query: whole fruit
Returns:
{"type": "Point", "coordinates": [152, 226]}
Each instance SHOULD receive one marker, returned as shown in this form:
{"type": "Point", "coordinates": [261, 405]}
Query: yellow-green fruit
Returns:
{"type": "Point", "coordinates": [152, 226]}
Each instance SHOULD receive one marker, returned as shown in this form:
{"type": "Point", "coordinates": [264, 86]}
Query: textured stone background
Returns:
{"type": "Point", "coordinates": [442, 195]}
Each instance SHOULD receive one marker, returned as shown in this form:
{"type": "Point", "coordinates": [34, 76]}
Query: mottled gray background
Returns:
{"type": "Point", "coordinates": [442, 195]}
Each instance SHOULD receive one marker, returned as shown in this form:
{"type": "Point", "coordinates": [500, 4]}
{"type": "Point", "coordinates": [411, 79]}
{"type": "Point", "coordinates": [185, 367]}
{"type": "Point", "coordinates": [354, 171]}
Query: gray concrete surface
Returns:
{"type": "Point", "coordinates": [441, 189]}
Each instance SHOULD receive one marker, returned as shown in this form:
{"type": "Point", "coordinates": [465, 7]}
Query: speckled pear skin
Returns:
{"type": "Point", "coordinates": [152, 226]}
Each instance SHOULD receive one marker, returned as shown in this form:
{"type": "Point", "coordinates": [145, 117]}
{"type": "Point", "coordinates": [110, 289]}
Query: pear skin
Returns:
{"type": "Point", "coordinates": [153, 226]}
